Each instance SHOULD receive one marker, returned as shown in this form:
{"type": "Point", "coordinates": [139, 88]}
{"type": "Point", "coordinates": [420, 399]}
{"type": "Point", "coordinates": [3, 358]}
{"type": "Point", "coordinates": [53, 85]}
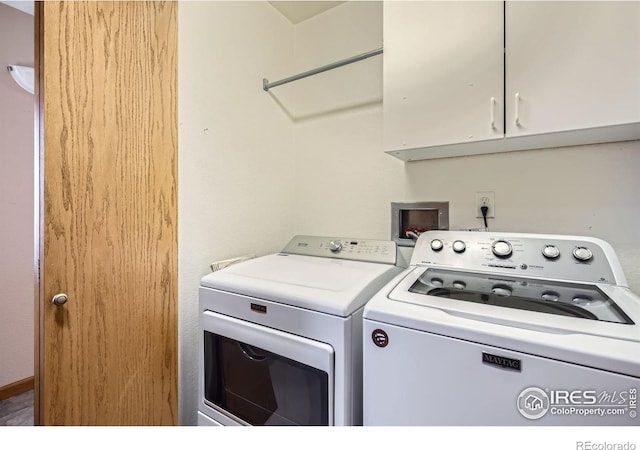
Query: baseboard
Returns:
{"type": "Point", "coordinates": [16, 388]}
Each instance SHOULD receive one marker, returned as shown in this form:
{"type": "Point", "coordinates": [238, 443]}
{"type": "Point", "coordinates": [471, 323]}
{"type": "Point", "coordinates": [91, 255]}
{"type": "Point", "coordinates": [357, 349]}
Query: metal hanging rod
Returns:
{"type": "Point", "coordinates": [266, 85]}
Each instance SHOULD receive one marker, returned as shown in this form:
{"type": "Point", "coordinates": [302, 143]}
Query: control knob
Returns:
{"type": "Point", "coordinates": [335, 246]}
{"type": "Point", "coordinates": [582, 254]}
{"type": "Point", "coordinates": [501, 248]}
{"type": "Point", "coordinates": [550, 251]}
{"type": "Point", "coordinates": [459, 246]}
{"type": "Point", "coordinates": [436, 245]}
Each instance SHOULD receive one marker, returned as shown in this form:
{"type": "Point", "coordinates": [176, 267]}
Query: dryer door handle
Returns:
{"type": "Point", "coordinates": [252, 354]}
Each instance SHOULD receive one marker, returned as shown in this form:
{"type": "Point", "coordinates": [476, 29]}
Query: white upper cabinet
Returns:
{"type": "Point", "coordinates": [464, 78]}
{"type": "Point", "coordinates": [443, 72]}
{"type": "Point", "coordinates": [574, 65]}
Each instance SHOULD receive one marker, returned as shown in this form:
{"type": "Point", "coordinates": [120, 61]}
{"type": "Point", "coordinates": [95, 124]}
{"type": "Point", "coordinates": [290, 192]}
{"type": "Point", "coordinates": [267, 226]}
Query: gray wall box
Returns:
{"type": "Point", "coordinates": [409, 220]}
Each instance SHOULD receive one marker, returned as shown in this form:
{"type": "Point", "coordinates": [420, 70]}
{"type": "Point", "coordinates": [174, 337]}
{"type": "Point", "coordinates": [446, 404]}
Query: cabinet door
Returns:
{"type": "Point", "coordinates": [443, 65]}
{"type": "Point", "coordinates": [574, 65]}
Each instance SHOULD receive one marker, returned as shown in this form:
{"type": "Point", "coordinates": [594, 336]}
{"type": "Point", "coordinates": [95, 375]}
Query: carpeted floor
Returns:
{"type": "Point", "coordinates": [17, 410]}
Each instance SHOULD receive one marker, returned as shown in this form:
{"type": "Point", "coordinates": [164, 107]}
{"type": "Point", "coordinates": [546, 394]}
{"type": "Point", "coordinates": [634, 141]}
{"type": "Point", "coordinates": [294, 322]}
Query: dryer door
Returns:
{"type": "Point", "coordinates": [261, 376]}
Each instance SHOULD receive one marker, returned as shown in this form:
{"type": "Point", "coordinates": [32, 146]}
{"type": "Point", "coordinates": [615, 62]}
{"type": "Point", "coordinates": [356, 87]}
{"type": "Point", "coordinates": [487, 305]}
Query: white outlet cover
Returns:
{"type": "Point", "coordinates": [491, 203]}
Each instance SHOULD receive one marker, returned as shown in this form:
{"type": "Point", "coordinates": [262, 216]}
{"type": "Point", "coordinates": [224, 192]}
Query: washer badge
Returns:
{"type": "Point", "coordinates": [380, 337]}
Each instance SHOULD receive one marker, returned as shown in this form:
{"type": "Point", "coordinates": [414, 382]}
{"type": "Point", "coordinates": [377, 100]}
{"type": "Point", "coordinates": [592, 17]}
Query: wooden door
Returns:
{"type": "Point", "coordinates": [108, 136]}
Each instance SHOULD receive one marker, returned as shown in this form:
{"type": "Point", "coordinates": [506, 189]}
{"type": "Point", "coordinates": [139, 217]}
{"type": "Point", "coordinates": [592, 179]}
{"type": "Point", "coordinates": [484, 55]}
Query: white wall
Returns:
{"type": "Point", "coordinates": [17, 284]}
{"type": "Point", "coordinates": [236, 165]}
{"type": "Point", "coordinates": [346, 183]}
{"type": "Point", "coordinates": [589, 190]}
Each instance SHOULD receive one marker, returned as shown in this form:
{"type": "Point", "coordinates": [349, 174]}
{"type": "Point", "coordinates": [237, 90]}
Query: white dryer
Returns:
{"type": "Point", "coordinates": [281, 335]}
{"type": "Point", "coordinates": [489, 328]}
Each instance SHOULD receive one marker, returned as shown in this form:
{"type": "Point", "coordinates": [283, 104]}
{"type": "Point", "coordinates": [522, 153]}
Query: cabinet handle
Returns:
{"type": "Point", "coordinates": [517, 110]}
{"type": "Point", "coordinates": [493, 108]}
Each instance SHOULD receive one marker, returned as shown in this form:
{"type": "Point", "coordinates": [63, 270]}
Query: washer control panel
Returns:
{"type": "Point", "coordinates": [354, 249]}
{"type": "Point", "coordinates": [573, 258]}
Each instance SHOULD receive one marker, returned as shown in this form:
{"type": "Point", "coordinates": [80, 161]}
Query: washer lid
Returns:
{"type": "Point", "coordinates": [593, 343]}
{"type": "Point", "coordinates": [579, 300]}
{"type": "Point", "coordinates": [332, 286]}
{"type": "Point", "coordinates": [564, 307]}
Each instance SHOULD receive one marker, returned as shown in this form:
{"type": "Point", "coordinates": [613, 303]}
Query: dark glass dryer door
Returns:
{"type": "Point", "coordinates": [263, 376]}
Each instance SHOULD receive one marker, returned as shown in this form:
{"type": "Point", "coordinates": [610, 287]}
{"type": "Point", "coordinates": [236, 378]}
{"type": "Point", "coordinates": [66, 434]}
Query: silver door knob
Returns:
{"type": "Point", "coordinates": [60, 299]}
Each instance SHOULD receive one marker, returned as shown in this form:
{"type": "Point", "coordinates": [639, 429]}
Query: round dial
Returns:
{"type": "Point", "coordinates": [459, 246]}
{"type": "Point", "coordinates": [437, 282]}
{"type": "Point", "coordinates": [582, 253]}
{"type": "Point", "coordinates": [550, 296]}
{"type": "Point", "coordinates": [335, 246]}
{"type": "Point", "coordinates": [436, 245]}
{"type": "Point", "coordinates": [501, 248]}
{"type": "Point", "coordinates": [550, 251]}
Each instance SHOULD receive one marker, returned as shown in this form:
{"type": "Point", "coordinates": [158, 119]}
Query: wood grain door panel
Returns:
{"type": "Point", "coordinates": [109, 229]}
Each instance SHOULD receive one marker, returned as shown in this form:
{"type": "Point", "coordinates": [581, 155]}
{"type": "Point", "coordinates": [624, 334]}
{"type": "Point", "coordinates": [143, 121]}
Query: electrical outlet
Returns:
{"type": "Point", "coordinates": [485, 199]}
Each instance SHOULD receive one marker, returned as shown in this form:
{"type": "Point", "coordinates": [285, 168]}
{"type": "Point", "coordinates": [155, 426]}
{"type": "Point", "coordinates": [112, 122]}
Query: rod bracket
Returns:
{"type": "Point", "coordinates": [265, 84]}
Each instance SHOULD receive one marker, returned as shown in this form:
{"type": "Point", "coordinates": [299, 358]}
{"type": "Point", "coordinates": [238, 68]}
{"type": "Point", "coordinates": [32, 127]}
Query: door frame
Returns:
{"type": "Point", "coordinates": [38, 203]}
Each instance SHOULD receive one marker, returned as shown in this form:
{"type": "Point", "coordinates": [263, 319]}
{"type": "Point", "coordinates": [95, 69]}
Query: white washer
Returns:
{"type": "Point", "coordinates": [281, 335]}
{"type": "Point", "coordinates": [489, 328]}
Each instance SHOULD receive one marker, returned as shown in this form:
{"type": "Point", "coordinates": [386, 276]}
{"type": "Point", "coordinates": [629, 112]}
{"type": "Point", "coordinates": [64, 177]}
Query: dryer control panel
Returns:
{"type": "Point", "coordinates": [368, 250]}
{"type": "Point", "coordinates": [572, 258]}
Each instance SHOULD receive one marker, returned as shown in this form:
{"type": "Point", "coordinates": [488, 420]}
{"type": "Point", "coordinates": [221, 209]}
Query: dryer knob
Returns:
{"type": "Point", "coordinates": [582, 254]}
{"type": "Point", "coordinates": [335, 246]}
{"type": "Point", "coordinates": [436, 245]}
